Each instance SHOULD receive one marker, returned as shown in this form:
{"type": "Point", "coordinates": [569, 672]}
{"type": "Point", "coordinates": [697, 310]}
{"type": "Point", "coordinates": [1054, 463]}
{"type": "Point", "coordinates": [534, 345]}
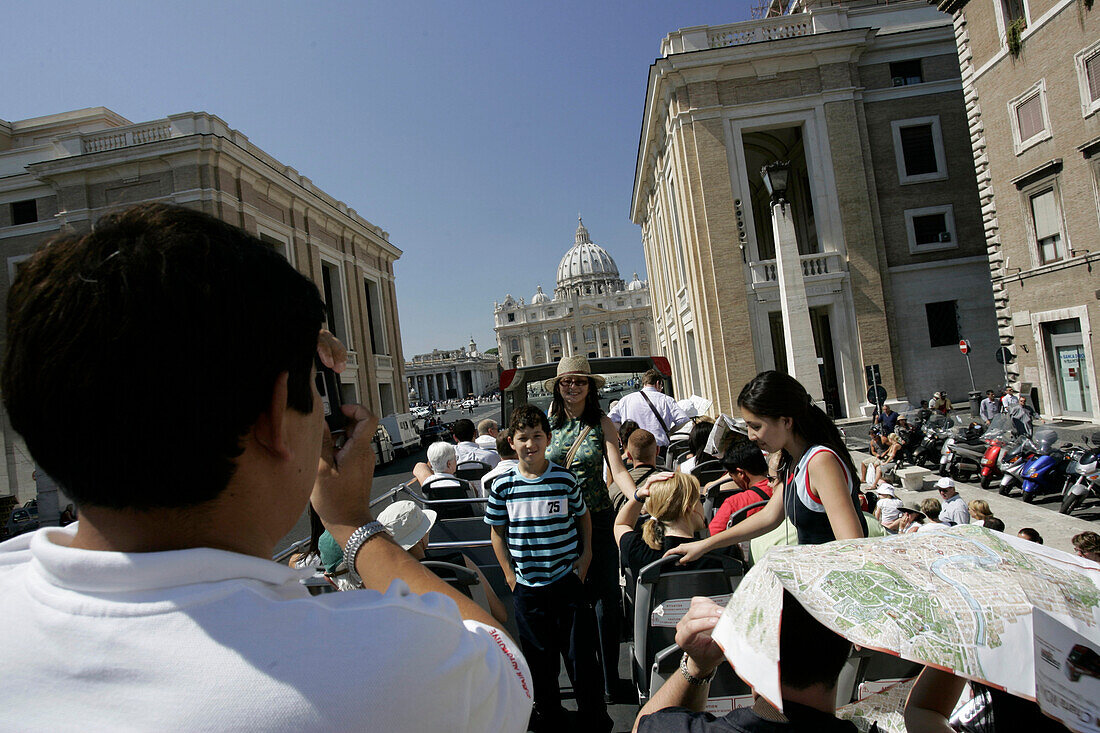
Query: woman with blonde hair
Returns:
{"type": "Point", "coordinates": [675, 515]}
{"type": "Point", "coordinates": [979, 511]}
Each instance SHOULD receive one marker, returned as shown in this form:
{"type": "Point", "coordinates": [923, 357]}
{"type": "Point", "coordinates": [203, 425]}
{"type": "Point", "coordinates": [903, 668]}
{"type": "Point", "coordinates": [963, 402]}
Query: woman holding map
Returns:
{"type": "Point", "coordinates": [817, 488]}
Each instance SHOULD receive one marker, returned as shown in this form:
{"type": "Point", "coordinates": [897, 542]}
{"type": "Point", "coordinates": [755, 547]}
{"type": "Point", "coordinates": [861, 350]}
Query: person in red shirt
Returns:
{"type": "Point", "coordinates": [746, 467]}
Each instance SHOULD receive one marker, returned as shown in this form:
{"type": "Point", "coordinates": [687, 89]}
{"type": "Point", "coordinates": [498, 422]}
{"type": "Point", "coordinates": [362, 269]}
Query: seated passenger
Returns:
{"type": "Point", "coordinates": [410, 525]}
{"type": "Point", "coordinates": [487, 434]}
{"type": "Point", "coordinates": [676, 514]}
{"type": "Point", "coordinates": [508, 461]}
{"type": "Point", "coordinates": [746, 466]}
{"type": "Point", "coordinates": [441, 464]}
{"type": "Point", "coordinates": [697, 443]}
{"type": "Point", "coordinates": [466, 449]}
{"type": "Point", "coordinates": [810, 660]}
{"type": "Point", "coordinates": [641, 451]}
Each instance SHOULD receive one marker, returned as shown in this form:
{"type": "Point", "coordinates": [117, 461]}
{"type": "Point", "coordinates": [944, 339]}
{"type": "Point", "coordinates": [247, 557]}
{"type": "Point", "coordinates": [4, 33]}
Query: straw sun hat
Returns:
{"type": "Point", "coordinates": [574, 366]}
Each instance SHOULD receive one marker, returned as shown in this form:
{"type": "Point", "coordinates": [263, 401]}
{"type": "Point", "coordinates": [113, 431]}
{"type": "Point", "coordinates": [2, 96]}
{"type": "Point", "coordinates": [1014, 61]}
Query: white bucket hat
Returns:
{"type": "Point", "coordinates": [407, 522]}
{"type": "Point", "coordinates": [885, 489]}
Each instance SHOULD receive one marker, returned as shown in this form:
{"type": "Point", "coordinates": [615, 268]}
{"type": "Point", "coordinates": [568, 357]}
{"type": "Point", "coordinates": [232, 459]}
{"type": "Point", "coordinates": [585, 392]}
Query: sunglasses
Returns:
{"type": "Point", "coordinates": [573, 382]}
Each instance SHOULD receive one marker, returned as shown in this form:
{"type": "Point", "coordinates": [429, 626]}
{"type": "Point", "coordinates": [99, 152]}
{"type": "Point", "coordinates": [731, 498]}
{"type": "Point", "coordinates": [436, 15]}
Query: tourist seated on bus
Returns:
{"type": "Point", "coordinates": [466, 449]}
{"type": "Point", "coordinates": [410, 526]}
{"type": "Point", "coordinates": [507, 462]}
{"type": "Point", "coordinates": [487, 434]}
{"type": "Point", "coordinates": [641, 452]}
{"type": "Point", "coordinates": [810, 660]}
{"type": "Point", "coordinates": [675, 515]}
{"type": "Point", "coordinates": [697, 443]}
{"type": "Point", "coordinates": [747, 470]}
{"type": "Point", "coordinates": [442, 463]}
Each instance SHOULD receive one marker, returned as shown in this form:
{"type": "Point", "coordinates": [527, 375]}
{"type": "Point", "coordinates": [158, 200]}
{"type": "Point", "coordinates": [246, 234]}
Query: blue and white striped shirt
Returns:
{"type": "Point", "coordinates": [539, 513]}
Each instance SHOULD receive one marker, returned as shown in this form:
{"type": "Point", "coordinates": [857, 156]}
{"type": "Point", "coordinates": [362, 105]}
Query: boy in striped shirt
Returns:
{"type": "Point", "coordinates": [542, 538]}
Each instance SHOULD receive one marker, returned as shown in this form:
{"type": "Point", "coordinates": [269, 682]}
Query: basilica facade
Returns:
{"type": "Point", "coordinates": [592, 312]}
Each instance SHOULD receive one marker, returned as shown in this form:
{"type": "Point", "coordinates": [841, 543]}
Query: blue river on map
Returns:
{"type": "Point", "coordinates": [988, 559]}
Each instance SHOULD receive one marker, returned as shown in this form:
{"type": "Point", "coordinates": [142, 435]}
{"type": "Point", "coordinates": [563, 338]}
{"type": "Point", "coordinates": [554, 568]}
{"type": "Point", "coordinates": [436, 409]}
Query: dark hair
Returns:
{"type": "Point", "coordinates": [316, 529]}
{"type": "Point", "coordinates": [697, 438]}
{"type": "Point", "coordinates": [626, 430]}
{"type": "Point", "coordinates": [652, 376]}
{"type": "Point", "coordinates": [528, 416]}
{"type": "Point", "coordinates": [745, 454]}
{"type": "Point", "coordinates": [590, 416]}
{"type": "Point", "coordinates": [1029, 534]}
{"type": "Point", "coordinates": [464, 430]}
{"type": "Point", "coordinates": [994, 524]}
{"type": "Point", "coordinates": [775, 394]}
{"type": "Point", "coordinates": [139, 354]}
{"type": "Point", "coordinates": [809, 653]}
{"type": "Point", "coordinates": [504, 448]}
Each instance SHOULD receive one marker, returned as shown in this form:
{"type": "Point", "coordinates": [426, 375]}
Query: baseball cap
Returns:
{"type": "Point", "coordinates": [945, 483]}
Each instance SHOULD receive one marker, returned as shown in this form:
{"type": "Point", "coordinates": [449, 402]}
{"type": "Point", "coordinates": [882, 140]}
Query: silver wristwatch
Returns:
{"type": "Point", "coordinates": [359, 538]}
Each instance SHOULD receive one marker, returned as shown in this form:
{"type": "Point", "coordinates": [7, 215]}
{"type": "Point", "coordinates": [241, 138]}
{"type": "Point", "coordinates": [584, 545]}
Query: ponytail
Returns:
{"type": "Point", "coordinates": [653, 532]}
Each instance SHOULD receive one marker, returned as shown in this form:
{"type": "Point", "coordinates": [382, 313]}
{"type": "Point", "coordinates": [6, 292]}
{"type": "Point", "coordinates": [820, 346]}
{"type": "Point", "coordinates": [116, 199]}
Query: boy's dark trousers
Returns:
{"type": "Point", "coordinates": [556, 620]}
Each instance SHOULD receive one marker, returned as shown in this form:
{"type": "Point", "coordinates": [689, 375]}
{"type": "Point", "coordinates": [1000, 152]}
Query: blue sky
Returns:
{"type": "Point", "coordinates": [474, 133]}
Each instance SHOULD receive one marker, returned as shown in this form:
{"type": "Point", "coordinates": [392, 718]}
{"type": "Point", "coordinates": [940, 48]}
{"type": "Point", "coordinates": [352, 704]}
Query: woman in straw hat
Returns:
{"type": "Point", "coordinates": [584, 440]}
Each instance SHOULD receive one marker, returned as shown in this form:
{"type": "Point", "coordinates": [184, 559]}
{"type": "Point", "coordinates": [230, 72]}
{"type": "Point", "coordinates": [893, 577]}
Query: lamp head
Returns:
{"type": "Point", "coordinates": [775, 175]}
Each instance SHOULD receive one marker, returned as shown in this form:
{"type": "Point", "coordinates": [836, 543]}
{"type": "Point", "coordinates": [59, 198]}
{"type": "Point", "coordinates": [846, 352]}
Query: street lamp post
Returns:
{"type": "Point", "coordinates": [798, 334]}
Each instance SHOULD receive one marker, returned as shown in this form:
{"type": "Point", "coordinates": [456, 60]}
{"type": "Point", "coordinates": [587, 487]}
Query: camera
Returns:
{"type": "Point", "coordinates": [328, 385]}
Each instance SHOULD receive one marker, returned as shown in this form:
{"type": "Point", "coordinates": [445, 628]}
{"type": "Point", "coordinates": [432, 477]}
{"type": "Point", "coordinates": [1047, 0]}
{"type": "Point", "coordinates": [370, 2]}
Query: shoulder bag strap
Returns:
{"type": "Point", "coordinates": [656, 414]}
{"type": "Point", "coordinates": [577, 446]}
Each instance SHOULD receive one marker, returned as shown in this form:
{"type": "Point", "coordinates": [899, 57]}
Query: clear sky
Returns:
{"type": "Point", "coordinates": [474, 133]}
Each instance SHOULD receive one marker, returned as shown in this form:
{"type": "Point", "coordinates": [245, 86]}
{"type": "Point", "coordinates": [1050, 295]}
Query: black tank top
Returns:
{"type": "Point", "coordinates": [804, 508]}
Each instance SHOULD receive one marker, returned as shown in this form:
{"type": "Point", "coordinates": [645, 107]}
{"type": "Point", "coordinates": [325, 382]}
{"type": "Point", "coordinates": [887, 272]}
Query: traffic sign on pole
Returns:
{"type": "Point", "coordinates": [964, 346]}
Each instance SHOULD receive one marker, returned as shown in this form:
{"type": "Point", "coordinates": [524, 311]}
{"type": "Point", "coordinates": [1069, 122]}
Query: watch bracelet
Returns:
{"type": "Point", "coordinates": [692, 679]}
{"type": "Point", "coordinates": [355, 543]}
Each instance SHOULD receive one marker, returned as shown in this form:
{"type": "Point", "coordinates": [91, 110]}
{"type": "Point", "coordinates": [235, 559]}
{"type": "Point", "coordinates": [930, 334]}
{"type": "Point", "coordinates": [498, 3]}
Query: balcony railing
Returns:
{"type": "Point", "coordinates": [767, 29]}
{"type": "Point", "coordinates": [815, 266]}
{"type": "Point", "coordinates": [126, 136]}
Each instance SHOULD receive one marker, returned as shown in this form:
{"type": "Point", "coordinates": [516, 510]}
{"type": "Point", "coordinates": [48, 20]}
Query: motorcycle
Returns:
{"type": "Point", "coordinates": [1000, 437]}
{"type": "Point", "coordinates": [963, 449]}
{"type": "Point", "coordinates": [908, 430]}
{"type": "Point", "coordinates": [936, 429]}
{"type": "Point", "coordinates": [1087, 469]}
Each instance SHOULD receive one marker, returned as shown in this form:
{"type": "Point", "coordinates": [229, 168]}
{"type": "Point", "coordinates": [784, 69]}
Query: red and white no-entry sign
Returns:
{"type": "Point", "coordinates": [964, 346]}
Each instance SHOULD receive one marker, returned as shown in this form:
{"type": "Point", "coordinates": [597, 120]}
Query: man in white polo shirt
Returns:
{"type": "Point", "coordinates": [954, 509]}
{"type": "Point", "coordinates": [160, 369]}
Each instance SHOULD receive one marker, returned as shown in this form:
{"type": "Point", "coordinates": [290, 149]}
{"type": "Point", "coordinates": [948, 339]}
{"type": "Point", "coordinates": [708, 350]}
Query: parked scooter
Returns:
{"type": "Point", "coordinates": [909, 433]}
{"type": "Point", "coordinates": [1045, 469]}
{"type": "Point", "coordinates": [1086, 468]}
{"type": "Point", "coordinates": [963, 449]}
{"type": "Point", "coordinates": [936, 429]}
{"type": "Point", "coordinates": [999, 438]}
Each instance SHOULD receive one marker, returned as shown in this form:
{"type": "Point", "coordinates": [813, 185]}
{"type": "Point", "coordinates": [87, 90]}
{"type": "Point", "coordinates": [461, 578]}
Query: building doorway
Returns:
{"type": "Point", "coordinates": [823, 347]}
{"type": "Point", "coordinates": [1066, 355]}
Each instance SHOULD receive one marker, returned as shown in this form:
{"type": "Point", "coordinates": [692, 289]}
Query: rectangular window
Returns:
{"type": "Point", "coordinates": [511, 317]}
{"type": "Point", "coordinates": [918, 150]}
{"type": "Point", "coordinates": [1029, 119]}
{"type": "Point", "coordinates": [1029, 116]}
{"type": "Point", "coordinates": [930, 228]}
{"type": "Point", "coordinates": [276, 244]}
{"type": "Point", "coordinates": [903, 73]}
{"type": "Point", "coordinates": [1013, 10]}
{"type": "Point", "coordinates": [1047, 223]}
{"type": "Point", "coordinates": [1088, 77]}
{"type": "Point", "coordinates": [385, 398]}
{"type": "Point", "coordinates": [376, 322]}
{"type": "Point", "coordinates": [334, 301]}
{"type": "Point", "coordinates": [943, 323]}
{"type": "Point", "coordinates": [24, 212]}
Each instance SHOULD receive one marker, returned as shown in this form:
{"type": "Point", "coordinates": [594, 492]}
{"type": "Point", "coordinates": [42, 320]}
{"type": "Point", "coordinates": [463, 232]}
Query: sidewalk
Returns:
{"type": "Point", "coordinates": [1042, 516]}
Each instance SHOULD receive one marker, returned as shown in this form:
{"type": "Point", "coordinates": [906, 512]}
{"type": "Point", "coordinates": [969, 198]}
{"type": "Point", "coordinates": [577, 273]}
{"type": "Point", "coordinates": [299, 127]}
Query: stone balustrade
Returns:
{"type": "Point", "coordinates": [124, 137]}
{"type": "Point", "coordinates": [825, 264]}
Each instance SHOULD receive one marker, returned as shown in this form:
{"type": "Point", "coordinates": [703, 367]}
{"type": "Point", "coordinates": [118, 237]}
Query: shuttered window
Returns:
{"type": "Point", "coordinates": [1048, 226]}
{"type": "Point", "coordinates": [1092, 76]}
{"type": "Point", "coordinates": [1029, 116]}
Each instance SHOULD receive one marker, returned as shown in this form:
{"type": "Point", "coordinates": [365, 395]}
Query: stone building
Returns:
{"type": "Point", "coordinates": [60, 173]}
{"type": "Point", "coordinates": [1031, 76]}
{"type": "Point", "coordinates": [592, 313]}
{"type": "Point", "coordinates": [454, 374]}
{"type": "Point", "coordinates": [876, 255]}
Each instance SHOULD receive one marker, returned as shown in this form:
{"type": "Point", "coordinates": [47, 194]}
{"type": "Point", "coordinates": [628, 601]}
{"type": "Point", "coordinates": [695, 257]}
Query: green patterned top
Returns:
{"type": "Point", "coordinates": [587, 463]}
